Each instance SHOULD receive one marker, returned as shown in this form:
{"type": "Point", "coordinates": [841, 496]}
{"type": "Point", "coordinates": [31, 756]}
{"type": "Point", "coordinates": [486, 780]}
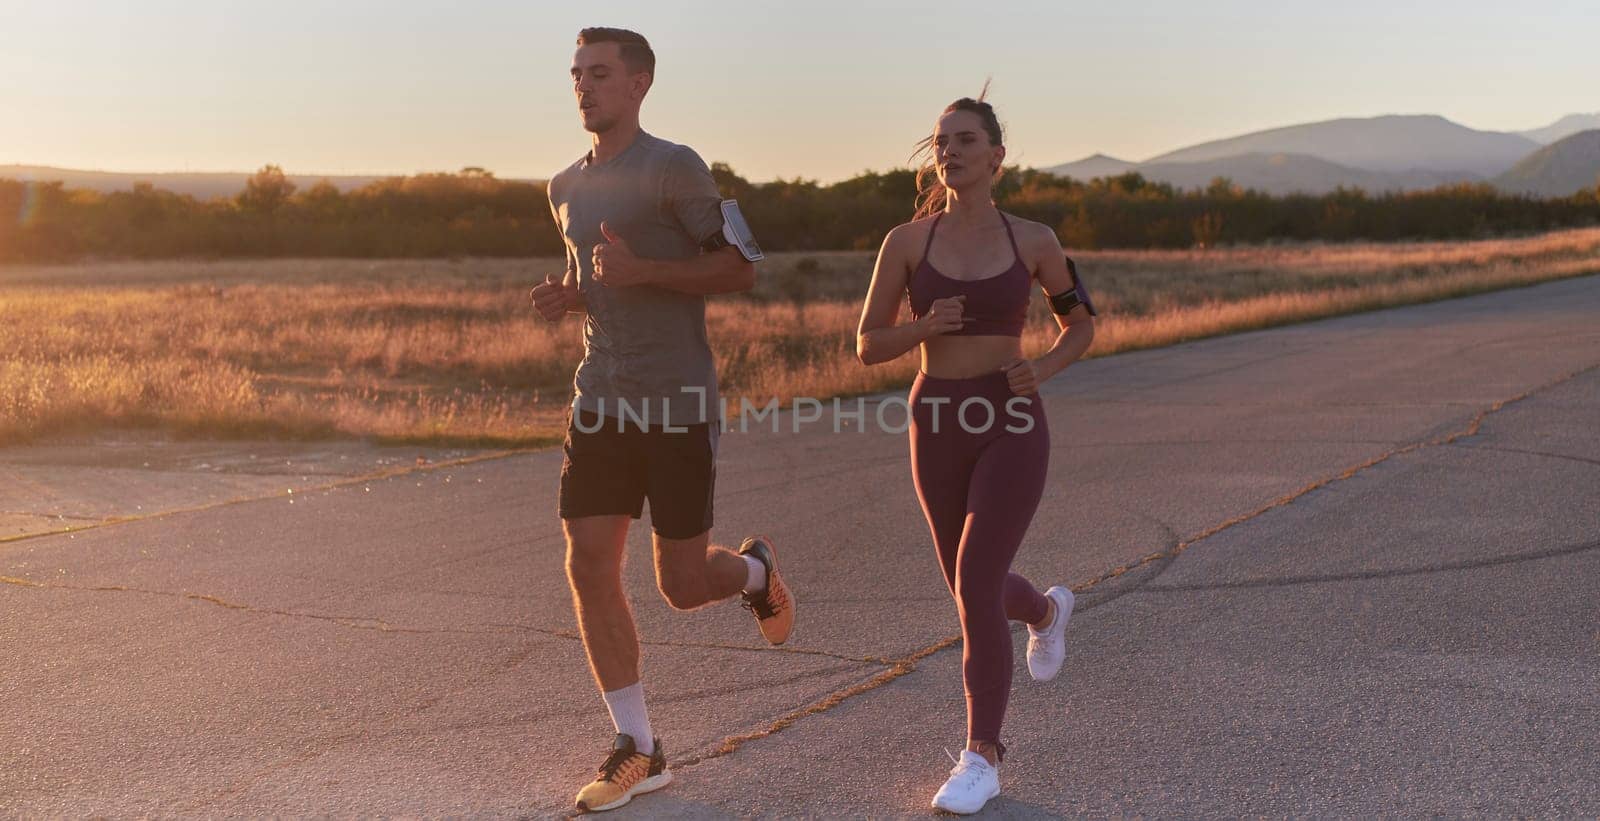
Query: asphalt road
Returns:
{"type": "Point", "coordinates": [1342, 568]}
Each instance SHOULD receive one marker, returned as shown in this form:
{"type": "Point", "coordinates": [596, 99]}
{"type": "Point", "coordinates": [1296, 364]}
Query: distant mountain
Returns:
{"type": "Point", "coordinates": [1091, 167]}
{"type": "Point", "coordinates": [1563, 128]}
{"type": "Point", "coordinates": [203, 186]}
{"type": "Point", "coordinates": [1280, 174]}
{"type": "Point", "coordinates": [1557, 170]}
{"type": "Point", "coordinates": [1389, 143]}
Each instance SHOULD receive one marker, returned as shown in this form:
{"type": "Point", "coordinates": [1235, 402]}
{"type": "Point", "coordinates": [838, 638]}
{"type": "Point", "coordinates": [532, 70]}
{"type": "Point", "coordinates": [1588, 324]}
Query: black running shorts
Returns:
{"type": "Point", "coordinates": [607, 471]}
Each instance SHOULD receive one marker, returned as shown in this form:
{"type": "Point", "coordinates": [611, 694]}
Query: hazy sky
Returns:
{"type": "Point", "coordinates": [819, 89]}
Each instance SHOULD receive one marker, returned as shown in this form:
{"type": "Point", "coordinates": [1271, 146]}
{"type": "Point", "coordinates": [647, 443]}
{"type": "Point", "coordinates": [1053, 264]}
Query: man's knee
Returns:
{"type": "Point", "coordinates": [683, 591]}
{"type": "Point", "coordinates": [681, 571]}
{"type": "Point", "coordinates": [594, 556]}
{"type": "Point", "coordinates": [590, 571]}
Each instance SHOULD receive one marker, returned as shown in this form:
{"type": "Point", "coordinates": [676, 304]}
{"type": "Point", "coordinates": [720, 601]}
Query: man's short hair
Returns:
{"type": "Point", "coordinates": [636, 52]}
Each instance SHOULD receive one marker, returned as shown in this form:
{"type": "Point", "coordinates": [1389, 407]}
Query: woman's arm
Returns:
{"type": "Point", "coordinates": [1077, 325]}
{"type": "Point", "coordinates": [879, 338]}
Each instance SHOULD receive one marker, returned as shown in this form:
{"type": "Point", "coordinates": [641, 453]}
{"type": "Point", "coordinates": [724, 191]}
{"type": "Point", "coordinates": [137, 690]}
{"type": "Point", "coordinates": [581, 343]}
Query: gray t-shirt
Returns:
{"type": "Point", "coordinates": [643, 345]}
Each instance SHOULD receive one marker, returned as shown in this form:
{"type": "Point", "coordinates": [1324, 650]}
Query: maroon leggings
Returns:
{"type": "Point", "coordinates": [979, 485]}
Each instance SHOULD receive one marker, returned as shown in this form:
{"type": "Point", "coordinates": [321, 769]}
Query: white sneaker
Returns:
{"type": "Point", "coordinates": [1047, 648]}
{"type": "Point", "coordinates": [973, 781]}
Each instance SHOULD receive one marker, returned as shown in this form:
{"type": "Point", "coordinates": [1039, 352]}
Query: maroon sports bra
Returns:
{"type": "Point", "coordinates": [996, 305]}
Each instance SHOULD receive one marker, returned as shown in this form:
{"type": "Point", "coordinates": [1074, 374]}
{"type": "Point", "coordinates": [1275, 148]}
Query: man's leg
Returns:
{"type": "Point", "coordinates": [594, 569]}
{"type": "Point", "coordinates": [693, 572]}
{"type": "Point", "coordinates": [680, 482]}
{"type": "Point", "coordinates": [602, 487]}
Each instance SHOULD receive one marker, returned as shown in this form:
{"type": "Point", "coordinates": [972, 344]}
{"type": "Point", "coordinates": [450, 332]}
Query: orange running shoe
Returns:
{"type": "Point", "coordinates": [625, 774]}
{"type": "Point", "coordinates": [774, 606]}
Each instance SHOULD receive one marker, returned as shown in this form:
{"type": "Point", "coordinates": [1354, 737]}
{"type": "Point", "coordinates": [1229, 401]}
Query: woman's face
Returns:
{"type": "Point", "coordinates": [963, 156]}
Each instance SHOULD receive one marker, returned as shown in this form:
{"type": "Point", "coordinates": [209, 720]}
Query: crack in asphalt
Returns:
{"type": "Point", "coordinates": [1077, 445]}
{"type": "Point", "coordinates": [1471, 429]}
{"type": "Point", "coordinates": [49, 515]}
{"type": "Point", "coordinates": [1367, 575]}
{"type": "Point", "coordinates": [1275, 404]}
{"type": "Point", "coordinates": [706, 645]}
{"type": "Point", "coordinates": [735, 689]}
{"type": "Point", "coordinates": [900, 667]}
{"type": "Point", "coordinates": [384, 626]}
{"type": "Point", "coordinates": [379, 476]}
{"type": "Point", "coordinates": [535, 717]}
{"type": "Point", "coordinates": [353, 622]}
{"type": "Point", "coordinates": [1547, 454]}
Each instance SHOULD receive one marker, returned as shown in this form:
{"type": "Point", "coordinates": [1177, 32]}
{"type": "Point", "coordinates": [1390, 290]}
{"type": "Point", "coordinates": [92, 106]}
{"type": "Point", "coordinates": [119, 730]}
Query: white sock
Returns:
{"type": "Point", "coordinates": [629, 716]}
{"type": "Point", "coordinates": [755, 575]}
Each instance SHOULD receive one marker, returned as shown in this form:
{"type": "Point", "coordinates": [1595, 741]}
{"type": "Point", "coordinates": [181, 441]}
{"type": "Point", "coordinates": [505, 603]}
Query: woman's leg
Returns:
{"type": "Point", "coordinates": [941, 467]}
{"type": "Point", "coordinates": [1006, 484]}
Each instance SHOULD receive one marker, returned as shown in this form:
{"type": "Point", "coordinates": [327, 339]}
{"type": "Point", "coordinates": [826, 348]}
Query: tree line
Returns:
{"type": "Point", "coordinates": [473, 213]}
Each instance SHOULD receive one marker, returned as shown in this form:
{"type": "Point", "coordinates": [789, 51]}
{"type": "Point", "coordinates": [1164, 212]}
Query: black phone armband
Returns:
{"type": "Point", "coordinates": [1063, 303]}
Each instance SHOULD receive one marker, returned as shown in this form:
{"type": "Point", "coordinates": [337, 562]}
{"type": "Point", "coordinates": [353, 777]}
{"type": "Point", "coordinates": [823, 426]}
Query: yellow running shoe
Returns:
{"type": "Point", "coordinates": [774, 606]}
{"type": "Point", "coordinates": [625, 774]}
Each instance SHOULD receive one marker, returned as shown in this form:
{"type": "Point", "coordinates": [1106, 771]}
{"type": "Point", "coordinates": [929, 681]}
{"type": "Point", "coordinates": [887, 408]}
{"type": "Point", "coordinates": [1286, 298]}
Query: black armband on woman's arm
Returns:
{"type": "Point", "coordinates": [1063, 303]}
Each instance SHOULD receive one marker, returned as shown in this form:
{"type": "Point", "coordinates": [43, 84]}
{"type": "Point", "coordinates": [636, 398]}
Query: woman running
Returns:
{"type": "Point", "coordinates": [979, 443]}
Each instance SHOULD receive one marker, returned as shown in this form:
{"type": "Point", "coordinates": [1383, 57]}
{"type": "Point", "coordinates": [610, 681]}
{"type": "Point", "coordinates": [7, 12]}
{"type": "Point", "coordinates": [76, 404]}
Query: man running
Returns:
{"type": "Point", "coordinates": [644, 230]}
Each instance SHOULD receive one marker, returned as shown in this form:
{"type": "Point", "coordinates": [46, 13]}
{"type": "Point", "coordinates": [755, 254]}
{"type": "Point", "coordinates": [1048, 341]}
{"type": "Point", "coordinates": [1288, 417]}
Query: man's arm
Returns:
{"type": "Point", "coordinates": [690, 193]}
{"type": "Point", "coordinates": [723, 271]}
{"type": "Point", "coordinates": [554, 297]}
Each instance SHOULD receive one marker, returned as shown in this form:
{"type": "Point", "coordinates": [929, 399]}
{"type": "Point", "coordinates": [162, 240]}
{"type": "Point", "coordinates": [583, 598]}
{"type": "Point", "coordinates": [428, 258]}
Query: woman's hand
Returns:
{"type": "Point", "coordinates": [1022, 376]}
{"type": "Point", "coordinates": [944, 316]}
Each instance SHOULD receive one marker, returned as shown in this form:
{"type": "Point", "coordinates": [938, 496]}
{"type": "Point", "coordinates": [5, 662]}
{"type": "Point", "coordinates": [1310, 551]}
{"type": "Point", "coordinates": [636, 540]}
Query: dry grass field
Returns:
{"type": "Point", "coordinates": [449, 352]}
